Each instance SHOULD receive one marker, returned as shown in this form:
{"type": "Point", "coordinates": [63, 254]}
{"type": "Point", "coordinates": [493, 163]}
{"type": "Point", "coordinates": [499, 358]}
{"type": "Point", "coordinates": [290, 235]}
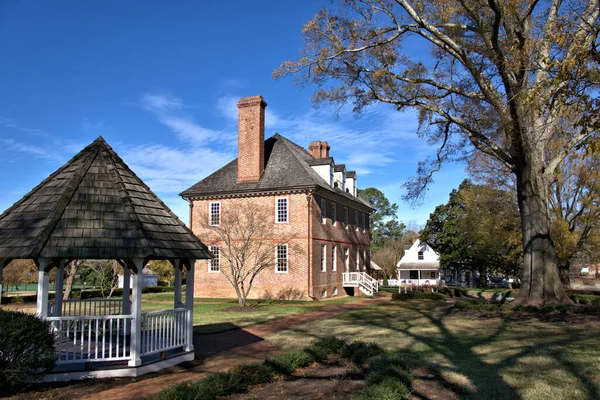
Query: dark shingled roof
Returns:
{"type": "Point", "coordinates": [339, 168]}
{"type": "Point", "coordinates": [95, 207]}
{"type": "Point", "coordinates": [419, 265]}
{"type": "Point", "coordinates": [287, 167]}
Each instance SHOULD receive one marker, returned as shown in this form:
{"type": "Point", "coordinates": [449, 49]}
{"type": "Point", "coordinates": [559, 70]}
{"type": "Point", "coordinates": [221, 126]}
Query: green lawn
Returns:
{"type": "Point", "coordinates": [209, 317]}
{"type": "Point", "coordinates": [481, 355]}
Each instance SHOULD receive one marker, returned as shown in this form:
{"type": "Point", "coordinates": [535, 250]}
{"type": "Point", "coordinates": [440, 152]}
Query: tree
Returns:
{"type": "Point", "coordinates": [478, 229]}
{"type": "Point", "coordinates": [388, 255]}
{"type": "Point", "coordinates": [19, 272]}
{"type": "Point", "coordinates": [103, 273]}
{"type": "Point", "coordinates": [501, 78]}
{"type": "Point", "coordinates": [384, 221]}
{"type": "Point", "coordinates": [244, 250]}
{"type": "Point", "coordinates": [165, 271]}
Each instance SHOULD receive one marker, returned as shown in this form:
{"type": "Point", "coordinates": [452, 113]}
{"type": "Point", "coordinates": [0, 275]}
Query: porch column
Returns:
{"type": "Point", "coordinates": [419, 281]}
{"type": "Point", "coordinates": [177, 301]}
{"type": "Point", "coordinates": [42, 292]}
{"type": "Point", "coordinates": [58, 293]}
{"type": "Point", "coordinates": [189, 303]}
{"type": "Point", "coordinates": [136, 311]}
{"type": "Point", "coordinates": [3, 263]}
{"type": "Point", "coordinates": [126, 289]}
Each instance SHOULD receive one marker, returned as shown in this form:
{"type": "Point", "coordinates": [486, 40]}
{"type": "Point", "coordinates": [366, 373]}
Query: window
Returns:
{"type": "Point", "coordinates": [347, 260]}
{"type": "Point", "coordinates": [334, 292]}
{"type": "Point", "coordinates": [323, 257]}
{"type": "Point", "coordinates": [364, 222]}
{"type": "Point", "coordinates": [433, 275]}
{"type": "Point", "coordinates": [281, 210]}
{"type": "Point", "coordinates": [420, 255]}
{"type": "Point", "coordinates": [214, 264]}
{"type": "Point", "coordinates": [414, 274]}
{"type": "Point", "coordinates": [323, 211]}
{"type": "Point", "coordinates": [346, 217]}
{"type": "Point", "coordinates": [324, 293]}
{"type": "Point", "coordinates": [214, 210]}
{"type": "Point", "coordinates": [357, 259]}
{"type": "Point", "coordinates": [356, 219]}
{"type": "Point", "coordinates": [333, 258]}
{"type": "Point", "coordinates": [281, 258]}
{"type": "Point", "coordinates": [333, 213]}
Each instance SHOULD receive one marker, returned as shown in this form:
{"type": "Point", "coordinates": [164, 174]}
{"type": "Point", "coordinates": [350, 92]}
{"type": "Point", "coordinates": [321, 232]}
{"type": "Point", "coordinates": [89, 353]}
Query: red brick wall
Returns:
{"type": "Point", "coordinates": [251, 138]}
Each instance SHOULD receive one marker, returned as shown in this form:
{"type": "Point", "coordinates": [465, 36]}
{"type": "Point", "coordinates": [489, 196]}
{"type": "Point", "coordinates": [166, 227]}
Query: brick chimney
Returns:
{"type": "Point", "coordinates": [319, 149]}
{"type": "Point", "coordinates": [251, 139]}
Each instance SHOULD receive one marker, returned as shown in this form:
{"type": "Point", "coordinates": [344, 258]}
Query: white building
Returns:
{"type": "Point", "coordinates": [420, 266]}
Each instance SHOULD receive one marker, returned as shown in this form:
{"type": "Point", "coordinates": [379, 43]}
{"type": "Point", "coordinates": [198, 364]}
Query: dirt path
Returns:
{"type": "Point", "coordinates": [215, 353]}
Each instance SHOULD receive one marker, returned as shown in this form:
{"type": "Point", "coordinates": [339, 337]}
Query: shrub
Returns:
{"type": "Point", "coordinates": [411, 296]}
{"type": "Point", "coordinates": [290, 361]}
{"type": "Point", "coordinates": [387, 389]}
{"type": "Point", "coordinates": [26, 349]}
{"type": "Point", "coordinates": [325, 347]}
{"type": "Point", "coordinates": [453, 291]}
{"type": "Point", "coordinates": [385, 280]}
{"type": "Point", "coordinates": [384, 365]}
{"type": "Point", "coordinates": [360, 352]}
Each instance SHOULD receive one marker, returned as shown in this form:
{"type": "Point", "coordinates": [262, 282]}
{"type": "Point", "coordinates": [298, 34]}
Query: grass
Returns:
{"type": "Point", "coordinates": [209, 316]}
{"type": "Point", "coordinates": [480, 355]}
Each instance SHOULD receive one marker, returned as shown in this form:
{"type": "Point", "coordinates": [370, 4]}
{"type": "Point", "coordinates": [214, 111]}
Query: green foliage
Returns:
{"type": "Point", "coordinates": [387, 365]}
{"type": "Point", "coordinates": [417, 295]}
{"type": "Point", "coordinates": [26, 349]}
{"type": "Point", "coordinates": [478, 228]}
{"type": "Point", "coordinates": [385, 280]}
{"type": "Point", "coordinates": [387, 389]}
{"type": "Point", "coordinates": [325, 347]}
{"type": "Point", "coordinates": [360, 352]}
{"type": "Point", "coordinates": [453, 291]}
{"type": "Point", "coordinates": [384, 221]}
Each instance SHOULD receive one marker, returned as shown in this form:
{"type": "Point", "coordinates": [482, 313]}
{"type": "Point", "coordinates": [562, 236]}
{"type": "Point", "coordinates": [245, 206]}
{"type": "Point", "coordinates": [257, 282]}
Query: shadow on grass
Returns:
{"type": "Point", "coordinates": [499, 359]}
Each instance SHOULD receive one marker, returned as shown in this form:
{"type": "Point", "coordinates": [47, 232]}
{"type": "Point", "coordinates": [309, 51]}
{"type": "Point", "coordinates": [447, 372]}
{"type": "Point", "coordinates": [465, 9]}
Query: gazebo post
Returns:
{"type": "Point", "coordinates": [177, 300]}
{"type": "Point", "coordinates": [136, 311]}
{"type": "Point", "coordinates": [58, 292]}
{"type": "Point", "coordinates": [189, 303]}
{"type": "Point", "coordinates": [126, 301]}
{"type": "Point", "coordinates": [42, 292]}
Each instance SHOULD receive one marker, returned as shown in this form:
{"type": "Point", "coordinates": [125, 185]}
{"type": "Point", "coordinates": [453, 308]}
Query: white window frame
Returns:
{"type": "Point", "coordinates": [323, 211]}
{"type": "Point", "coordinates": [364, 222]}
{"type": "Point", "coordinates": [347, 259]}
{"type": "Point", "coordinates": [211, 265]}
{"type": "Point", "coordinates": [420, 255]}
{"type": "Point", "coordinates": [334, 292]}
{"type": "Point", "coordinates": [356, 221]}
{"type": "Point", "coordinates": [346, 211]}
{"type": "Point", "coordinates": [287, 258]}
{"type": "Point", "coordinates": [333, 213]}
{"type": "Point", "coordinates": [323, 258]}
{"type": "Point", "coordinates": [287, 210]}
{"type": "Point", "coordinates": [334, 258]}
{"type": "Point", "coordinates": [358, 259]}
{"type": "Point", "coordinates": [210, 213]}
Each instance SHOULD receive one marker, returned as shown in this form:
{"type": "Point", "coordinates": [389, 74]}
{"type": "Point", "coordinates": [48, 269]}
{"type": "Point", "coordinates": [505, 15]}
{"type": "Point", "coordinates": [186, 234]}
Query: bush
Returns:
{"type": "Point", "coordinates": [290, 361]}
{"type": "Point", "coordinates": [384, 365]}
{"type": "Point", "coordinates": [385, 280]}
{"type": "Point", "coordinates": [453, 291]}
{"type": "Point", "coordinates": [360, 352]}
{"type": "Point", "coordinates": [26, 349]}
{"type": "Point", "coordinates": [325, 347]}
{"type": "Point", "coordinates": [387, 389]}
{"type": "Point", "coordinates": [411, 296]}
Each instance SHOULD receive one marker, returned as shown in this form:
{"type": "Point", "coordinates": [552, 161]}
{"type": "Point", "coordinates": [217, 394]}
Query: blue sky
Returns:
{"type": "Point", "coordinates": [159, 81]}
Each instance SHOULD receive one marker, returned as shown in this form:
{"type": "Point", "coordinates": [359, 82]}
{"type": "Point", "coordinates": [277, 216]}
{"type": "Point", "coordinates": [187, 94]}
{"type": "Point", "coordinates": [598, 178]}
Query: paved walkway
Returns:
{"type": "Point", "coordinates": [221, 351]}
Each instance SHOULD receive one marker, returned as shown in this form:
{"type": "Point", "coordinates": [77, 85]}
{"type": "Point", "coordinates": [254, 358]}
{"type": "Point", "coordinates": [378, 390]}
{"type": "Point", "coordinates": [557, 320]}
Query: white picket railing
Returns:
{"type": "Point", "coordinates": [164, 330]}
{"type": "Point", "coordinates": [92, 307]}
{"type": "Point", "coordinates": [362, 280]}
{"type": "Point", "coordinates": [90, 338]}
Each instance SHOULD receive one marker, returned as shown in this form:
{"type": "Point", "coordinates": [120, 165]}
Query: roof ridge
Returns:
{"type": "Point", "coordinates": [66, 199]}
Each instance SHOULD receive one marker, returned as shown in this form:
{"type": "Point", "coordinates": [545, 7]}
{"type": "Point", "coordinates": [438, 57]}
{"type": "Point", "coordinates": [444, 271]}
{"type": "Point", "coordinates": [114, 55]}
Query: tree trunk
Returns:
{"type": "Point", "coordinates": [541, 283]}
{"type": "Point", "coordinates": [70, 276]}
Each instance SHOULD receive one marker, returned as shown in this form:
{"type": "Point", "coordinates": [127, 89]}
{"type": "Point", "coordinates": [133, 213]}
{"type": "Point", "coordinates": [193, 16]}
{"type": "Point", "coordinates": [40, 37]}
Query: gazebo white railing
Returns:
{"type": "Point", "coordinates": [87, 307]}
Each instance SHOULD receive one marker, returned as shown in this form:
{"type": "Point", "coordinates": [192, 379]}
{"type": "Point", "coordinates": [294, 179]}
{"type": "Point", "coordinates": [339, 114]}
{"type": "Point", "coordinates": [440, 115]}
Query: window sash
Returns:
{"type": "Point", "coordinates": [323, 211]}
{"type": "Point", "coordinates": [333, 213]}
{"type": "Point", "coordinates": [420, 255]}
{"type": "Point", "coordinates": [214, 218]}
{"type": "Point", "coordinates": [214, 264]}
{"type": "Point", "coordinates": [281, 210]}
{"type": "Point", "coordinates": [323, 257]}
{"type": "Point", "coordinates": [281, 258]}
{"type": "Point", "coordinates": [333, 258]}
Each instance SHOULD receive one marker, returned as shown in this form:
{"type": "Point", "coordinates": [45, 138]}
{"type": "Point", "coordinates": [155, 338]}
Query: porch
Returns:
{"type": "Point", "coordinates": [419, 277]}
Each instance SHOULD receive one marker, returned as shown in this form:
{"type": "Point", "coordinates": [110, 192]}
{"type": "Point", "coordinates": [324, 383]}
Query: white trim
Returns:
{"type": "Point", "coordinates": [287, 209]}
{"type": "Point", "coordinates": [346, 217]}
{"type": "Point", "coordinates": [323, 257]}
{"type": "Point", "coordinates": [356, 220]}
{"type": "Point", "coordinates": [364, 222]}
{"type": "Point", "coordinates": [334, 258]}
{"type": "Point", "coordinates": [210, 203]}
{"type": "Point", "coordinates": [287, 259]}
{"type": "Point", "coordinates": [323, 211]}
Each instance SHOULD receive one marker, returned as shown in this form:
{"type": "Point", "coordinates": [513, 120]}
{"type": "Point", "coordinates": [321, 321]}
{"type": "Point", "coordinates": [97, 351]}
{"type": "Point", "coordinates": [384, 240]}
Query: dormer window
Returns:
{"type": "Point", "coordinates": [420, 255]}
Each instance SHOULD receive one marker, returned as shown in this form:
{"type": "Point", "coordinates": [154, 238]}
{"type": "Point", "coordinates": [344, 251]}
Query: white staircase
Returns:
{"type": "Point", "coordinates": [365, 283]}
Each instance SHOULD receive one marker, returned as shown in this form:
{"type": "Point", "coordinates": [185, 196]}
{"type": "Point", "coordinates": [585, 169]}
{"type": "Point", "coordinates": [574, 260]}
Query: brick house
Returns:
{"type": "Point", "coordinates": [306, 198]}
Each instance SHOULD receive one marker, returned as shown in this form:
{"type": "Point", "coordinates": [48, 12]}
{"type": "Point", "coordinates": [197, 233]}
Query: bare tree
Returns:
{"type": "Point", "coordinates": [501, 78]}
{"type": "Point", "coordinates": [388, 255]}
{"type": "Point", "coordinates": [245, 237]}
{"type": "Point", "coordinates": [105, 274]}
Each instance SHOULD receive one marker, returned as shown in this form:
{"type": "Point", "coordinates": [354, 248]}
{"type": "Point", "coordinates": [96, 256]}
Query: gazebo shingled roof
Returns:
{"type": "Point", "coordinates": [95, 207]}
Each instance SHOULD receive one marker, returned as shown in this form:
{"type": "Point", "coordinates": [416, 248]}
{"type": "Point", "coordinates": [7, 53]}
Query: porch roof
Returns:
{"type": "Point", "coordinates": [95, 207]}
{"type": "Point", "coordinates": [419, 265]}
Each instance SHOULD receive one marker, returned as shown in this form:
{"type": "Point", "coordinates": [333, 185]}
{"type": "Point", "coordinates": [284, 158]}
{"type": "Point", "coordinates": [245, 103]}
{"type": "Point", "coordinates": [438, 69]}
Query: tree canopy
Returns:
{"type": "Point", "coordinates": [517, 81]}
{"type": "Point", "coordinates": [478, 229]}
{"type": "Point", "coordinates": [384, 221]}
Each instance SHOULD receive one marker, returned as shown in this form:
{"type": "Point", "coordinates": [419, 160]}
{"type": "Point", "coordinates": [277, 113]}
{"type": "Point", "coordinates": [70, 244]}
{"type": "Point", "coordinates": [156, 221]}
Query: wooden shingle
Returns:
{"type": "Point", "coordinates": [95, 207]}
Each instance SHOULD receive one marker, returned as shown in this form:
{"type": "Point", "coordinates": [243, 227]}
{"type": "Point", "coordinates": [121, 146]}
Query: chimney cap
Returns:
{"type": "Point", "coordinates": [251, 101]}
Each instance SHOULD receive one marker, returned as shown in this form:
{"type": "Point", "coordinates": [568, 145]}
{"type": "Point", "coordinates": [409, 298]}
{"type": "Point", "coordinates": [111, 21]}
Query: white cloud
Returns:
{"type": "Point", "coordinates": [11, 145]}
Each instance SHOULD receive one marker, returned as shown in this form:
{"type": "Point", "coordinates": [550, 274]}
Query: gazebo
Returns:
{"type": "Point", "coordinates": [95, 207]}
